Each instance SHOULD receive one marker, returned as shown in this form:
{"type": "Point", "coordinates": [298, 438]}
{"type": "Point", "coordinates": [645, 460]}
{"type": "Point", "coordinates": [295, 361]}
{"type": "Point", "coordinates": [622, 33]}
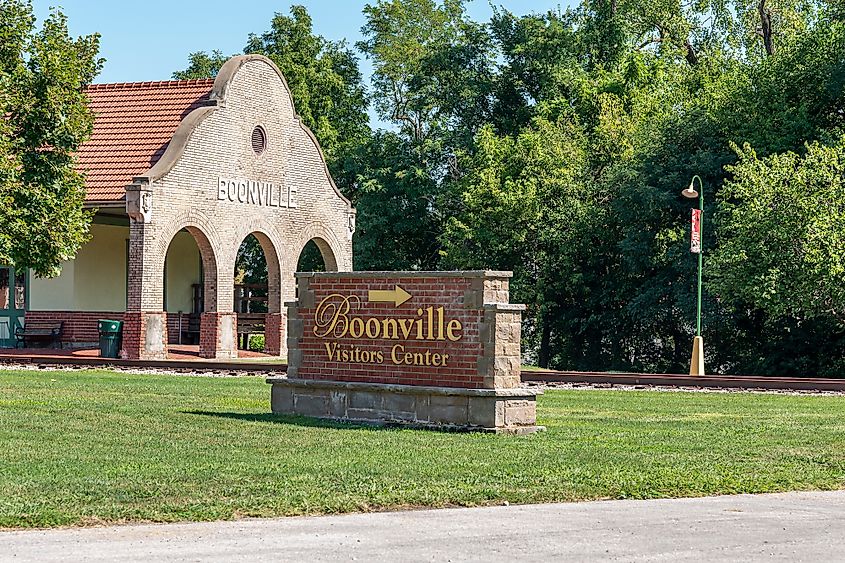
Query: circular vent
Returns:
{"type": "Point", "coordinates": [259, 140]}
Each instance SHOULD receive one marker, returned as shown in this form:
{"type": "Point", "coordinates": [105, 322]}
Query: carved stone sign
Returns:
{"type": "Point", "coordinates": [427, 348]}
{"type": "Point", "coordinates": [253, 192]}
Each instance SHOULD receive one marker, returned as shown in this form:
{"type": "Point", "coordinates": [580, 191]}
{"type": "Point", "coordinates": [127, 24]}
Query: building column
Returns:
{"type": "Point", "coordinates": [144, 323]}
{"type": "Point", "coordinates": [218, 335]}
{"type": "Point", "coordinates": [275, 338]}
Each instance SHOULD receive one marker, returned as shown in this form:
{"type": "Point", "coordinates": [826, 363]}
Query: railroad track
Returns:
{"type": "Point", "coordinates": [529, 376]}
{"type": "Point", "coordinates": [680, 380]}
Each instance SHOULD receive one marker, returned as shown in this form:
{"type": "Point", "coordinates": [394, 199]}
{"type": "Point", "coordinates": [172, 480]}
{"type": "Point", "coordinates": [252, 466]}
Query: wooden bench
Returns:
{"type": "Point", "coordinates": [39, 330]}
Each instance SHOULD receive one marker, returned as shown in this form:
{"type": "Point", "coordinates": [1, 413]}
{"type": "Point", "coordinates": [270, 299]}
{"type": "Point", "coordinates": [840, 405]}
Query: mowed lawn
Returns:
{"type": "Point", "coordinates": [95, 447]}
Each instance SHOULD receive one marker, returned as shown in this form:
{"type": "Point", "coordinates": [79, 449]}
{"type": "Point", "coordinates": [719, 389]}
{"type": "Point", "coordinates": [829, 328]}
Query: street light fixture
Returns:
{"type": "Point", "coordinates": [697, 362]}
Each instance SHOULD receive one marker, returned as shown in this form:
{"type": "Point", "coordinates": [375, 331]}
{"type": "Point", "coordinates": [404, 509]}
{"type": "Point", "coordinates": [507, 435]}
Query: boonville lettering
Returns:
{"type": "Point", "coordinates": [334, 319]}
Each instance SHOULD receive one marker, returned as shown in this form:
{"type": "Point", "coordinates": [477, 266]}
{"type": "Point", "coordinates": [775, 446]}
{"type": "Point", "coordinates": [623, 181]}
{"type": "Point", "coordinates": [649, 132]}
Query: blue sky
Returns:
{"type": "Point", "coordinates": [149, 40]}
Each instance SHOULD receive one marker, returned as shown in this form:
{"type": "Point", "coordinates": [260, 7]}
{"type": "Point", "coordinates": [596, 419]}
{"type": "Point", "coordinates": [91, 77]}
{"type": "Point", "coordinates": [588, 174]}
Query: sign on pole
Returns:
{"type": "Point", "coordinates": [695, 236]}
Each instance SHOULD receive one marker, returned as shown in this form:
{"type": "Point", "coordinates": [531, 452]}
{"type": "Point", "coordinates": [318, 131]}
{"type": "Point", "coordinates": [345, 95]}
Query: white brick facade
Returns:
{"type": "Point", "coordinates": [181, 192]}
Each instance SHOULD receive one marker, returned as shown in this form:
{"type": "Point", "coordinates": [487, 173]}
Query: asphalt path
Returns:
{"type": "Point", "coordinates": [808, 526]}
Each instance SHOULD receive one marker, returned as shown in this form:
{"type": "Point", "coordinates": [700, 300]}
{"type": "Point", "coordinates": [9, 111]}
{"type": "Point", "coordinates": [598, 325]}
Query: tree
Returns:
{"type": "Point", "coordinates": [42, 76]}
{"type": "Point", "coordinates": [202, 65]}
{"type": "Point", "coordinates": [527, 206]}
{"type": "Point", "coordinates": [432, 80]}
{"type": "Point", "coordinates": [781, 221]}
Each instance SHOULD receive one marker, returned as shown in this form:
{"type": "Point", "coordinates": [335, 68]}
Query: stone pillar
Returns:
{"type": "Point", "coordinates": [145, 335]}
{"type": "Point", "coordinates": [218, 335]}
{"type": "Point", "coordinates": [501, 331]}
{"type": "Point", "coordinates": [275, 339]}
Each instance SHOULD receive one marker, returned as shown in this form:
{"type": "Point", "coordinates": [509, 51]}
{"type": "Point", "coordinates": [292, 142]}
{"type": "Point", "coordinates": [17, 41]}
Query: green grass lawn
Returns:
{"type": "Point", "coordinates": [92, 447]}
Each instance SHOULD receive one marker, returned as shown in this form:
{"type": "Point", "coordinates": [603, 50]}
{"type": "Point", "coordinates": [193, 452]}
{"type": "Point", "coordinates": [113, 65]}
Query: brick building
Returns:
{"type": "Point", "coordinates": [180, 173]}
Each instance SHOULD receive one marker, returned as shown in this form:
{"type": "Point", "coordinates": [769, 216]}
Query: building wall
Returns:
{"type": "Point", "coordinates": [54, 293]}
{"type": "Point", "coordinates": [184, 191]}
{"type": "Point", "coordinates": [94, 281]}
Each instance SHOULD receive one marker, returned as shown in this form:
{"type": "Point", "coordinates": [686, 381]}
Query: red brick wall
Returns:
{"type": "Point", "coordinates": [79, 327]}
{"type": "Point", "coordinates": [213, 342]}
{"type": "Point", "coordinates": [461, 368]}
{"type": "Point", "coordinates": [274, 334]}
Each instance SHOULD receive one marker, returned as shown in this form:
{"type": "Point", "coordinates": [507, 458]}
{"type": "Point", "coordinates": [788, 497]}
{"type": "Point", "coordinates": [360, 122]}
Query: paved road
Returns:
{"type": "Point", "coordinates": [787, 527]}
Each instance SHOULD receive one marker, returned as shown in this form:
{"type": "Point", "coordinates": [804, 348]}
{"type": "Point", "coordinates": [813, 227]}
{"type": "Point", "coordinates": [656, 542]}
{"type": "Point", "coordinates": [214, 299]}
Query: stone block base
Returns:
{"type": "Point", "coordinates": [218, 336]}
{"type": "Point", "coordinates": [507, 411]}
{"type": "Point", "coordinates": [145, 335]}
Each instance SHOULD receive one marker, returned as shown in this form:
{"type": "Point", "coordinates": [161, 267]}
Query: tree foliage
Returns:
{"type": "Point", "coordinates": [45, 119]}
{"type": "Point", "coordinates": [781, 219]}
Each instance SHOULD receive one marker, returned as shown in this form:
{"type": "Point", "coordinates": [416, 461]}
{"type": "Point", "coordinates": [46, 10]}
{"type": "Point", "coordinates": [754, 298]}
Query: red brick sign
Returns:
{"type": "Point", "coordinates": [431, 328]}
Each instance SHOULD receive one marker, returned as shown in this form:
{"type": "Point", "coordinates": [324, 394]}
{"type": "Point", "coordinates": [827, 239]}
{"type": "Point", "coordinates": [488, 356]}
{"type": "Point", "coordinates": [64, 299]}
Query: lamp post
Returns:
{"type": "Point", "coordinates": [697, 362]}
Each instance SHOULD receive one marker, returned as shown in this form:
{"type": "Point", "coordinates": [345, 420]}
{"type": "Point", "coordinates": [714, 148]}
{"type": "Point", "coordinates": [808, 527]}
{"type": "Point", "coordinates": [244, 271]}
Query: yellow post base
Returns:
{"type": "Point", "coordinates": [697, 363]}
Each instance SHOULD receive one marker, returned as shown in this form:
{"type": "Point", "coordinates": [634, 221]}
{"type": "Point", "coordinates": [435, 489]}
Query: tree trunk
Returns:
{"type": "Point", "coordinates": [545, 340]}
{"type": "Point", "coordinates": [691, 56]}
{"type": "Point", "coordinates": [766, 31]}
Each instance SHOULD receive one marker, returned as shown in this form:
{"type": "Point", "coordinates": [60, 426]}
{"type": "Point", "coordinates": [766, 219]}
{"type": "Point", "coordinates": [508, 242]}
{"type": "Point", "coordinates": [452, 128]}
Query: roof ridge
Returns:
{"type": "Point", "coordinates": [150, 84]}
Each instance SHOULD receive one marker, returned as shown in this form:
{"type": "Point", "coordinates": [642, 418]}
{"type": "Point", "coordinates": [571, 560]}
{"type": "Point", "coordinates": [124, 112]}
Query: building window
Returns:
{"type": "Point", "coordinates": [259, 139]}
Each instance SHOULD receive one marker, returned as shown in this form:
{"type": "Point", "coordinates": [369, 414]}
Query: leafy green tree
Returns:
{"type": "Point", "coordinates": [202, 65]}
{"type": "Point", "coordinates": [46, 118]}
{"type": "Point", "coordinates": [527, 205]}
{"type": "Point", "coordinates": [399, 219]}
{"type": "Point", "coordinates": [781, 221]}
{"type": "Point", "coordinates": [432, 66]}
{"type": "Point", "coordinates": [433, 81]}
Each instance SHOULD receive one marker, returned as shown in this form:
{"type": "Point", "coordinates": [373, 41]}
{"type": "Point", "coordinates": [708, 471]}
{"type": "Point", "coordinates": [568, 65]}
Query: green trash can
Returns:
{"type": "Point", "coordinates": [111, 333]}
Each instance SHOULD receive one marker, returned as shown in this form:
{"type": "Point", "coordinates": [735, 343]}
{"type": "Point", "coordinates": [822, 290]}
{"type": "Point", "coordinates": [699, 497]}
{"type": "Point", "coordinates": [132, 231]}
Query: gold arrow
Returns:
{"type": "Point", "coordinates": [397, 295]}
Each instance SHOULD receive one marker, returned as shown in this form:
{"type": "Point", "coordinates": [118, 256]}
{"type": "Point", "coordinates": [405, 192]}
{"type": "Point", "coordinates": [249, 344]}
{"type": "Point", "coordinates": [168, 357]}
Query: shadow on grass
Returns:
{"type": "Point", "coordinates": [310, 422]}
{"type": "Point", "coordinates": [290, 419]}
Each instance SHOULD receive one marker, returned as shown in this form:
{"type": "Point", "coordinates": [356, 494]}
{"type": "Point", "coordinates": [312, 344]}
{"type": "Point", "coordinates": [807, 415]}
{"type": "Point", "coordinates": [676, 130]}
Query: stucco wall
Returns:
{"type": "Point", "coordinates": [52, 294]}
{"type": "Point", "coordinates": [94, 281]}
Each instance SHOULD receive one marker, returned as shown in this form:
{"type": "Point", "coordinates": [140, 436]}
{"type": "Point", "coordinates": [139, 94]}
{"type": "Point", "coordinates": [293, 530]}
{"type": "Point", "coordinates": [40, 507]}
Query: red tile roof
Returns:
{"type": "Point", "coordinates": [133, 123]}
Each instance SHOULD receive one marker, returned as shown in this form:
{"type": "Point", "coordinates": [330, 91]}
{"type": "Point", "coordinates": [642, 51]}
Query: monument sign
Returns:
{"type": "Point", "coordinates": [422, 348]}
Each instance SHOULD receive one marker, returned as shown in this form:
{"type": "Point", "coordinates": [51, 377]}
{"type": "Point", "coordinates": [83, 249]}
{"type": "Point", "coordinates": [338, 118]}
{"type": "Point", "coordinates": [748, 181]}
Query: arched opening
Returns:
{"type": "Point", "coordinates": [316, 256]}
{"type": "Point", "coordinates": [190, 280]}
{"type": "Point", "coordinates": [257, 294]}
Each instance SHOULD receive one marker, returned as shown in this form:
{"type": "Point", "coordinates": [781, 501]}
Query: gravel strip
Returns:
{"type": "Point", "coordinates": [677, 389]}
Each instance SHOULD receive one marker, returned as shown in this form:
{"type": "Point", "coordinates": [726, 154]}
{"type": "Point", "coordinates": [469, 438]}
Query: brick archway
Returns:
{"type": "Point", "coordinates": [209, 266]}
{"type": "Point", "coordinates": [146, 328]}
{"type": "Point", "coordinates": [211, 181]}
{"type": "Point", "coordinates": [326, 253]}
{"type": "Point", "coordinates": [275, 319]}
{"type": "Point", "coordinates": [327, 243]}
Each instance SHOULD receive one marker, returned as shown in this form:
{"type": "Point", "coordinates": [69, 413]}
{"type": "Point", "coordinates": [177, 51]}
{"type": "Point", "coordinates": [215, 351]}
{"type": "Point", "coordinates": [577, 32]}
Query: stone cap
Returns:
{"type": "Point", "coordinates": [505, 306]}
{"type": "Point", "coordinates": [404, 389]}
{"type": "Point", "coordinates": [410, 274]}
